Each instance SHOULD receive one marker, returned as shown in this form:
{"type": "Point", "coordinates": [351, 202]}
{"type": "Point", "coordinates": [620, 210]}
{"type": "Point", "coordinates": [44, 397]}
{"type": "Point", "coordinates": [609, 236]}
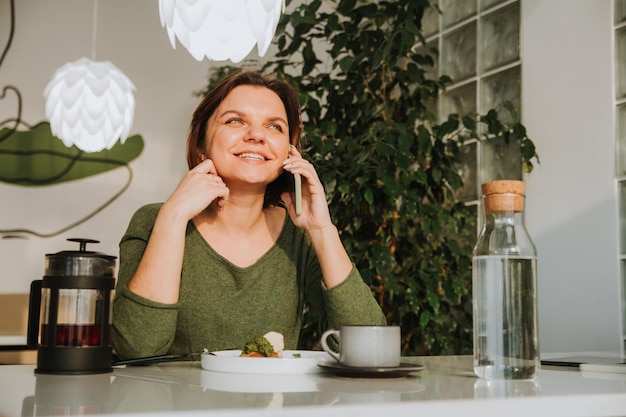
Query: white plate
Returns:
{"type": "Point", "coordinates": [292, 362]}
{"type": "Point", "coordinates": [258, 383]}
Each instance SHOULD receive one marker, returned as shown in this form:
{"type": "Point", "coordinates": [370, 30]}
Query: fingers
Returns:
{"type": "Point", "coordinates": [198, 189]}
{"type": "Point", "coordinates": [294, 151]}
{"type": "Point", "coordinates": [207, 166]}
{"type": "Point", "coordinates": [215, 180]}
{"type": "Point", "coordinates": [298, 165]}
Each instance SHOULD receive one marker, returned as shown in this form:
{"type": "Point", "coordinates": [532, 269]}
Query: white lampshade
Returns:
{"type": "Point", "coordinates": [221, 29]}
{"type": "Point", "coordinates": [90, 104]}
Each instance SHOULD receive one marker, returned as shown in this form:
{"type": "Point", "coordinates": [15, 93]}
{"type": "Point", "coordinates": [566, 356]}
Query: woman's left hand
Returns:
{"type": "Point", "coordinates": [315, 214]}
{"type": "Point", "coordinates": [315, 220]}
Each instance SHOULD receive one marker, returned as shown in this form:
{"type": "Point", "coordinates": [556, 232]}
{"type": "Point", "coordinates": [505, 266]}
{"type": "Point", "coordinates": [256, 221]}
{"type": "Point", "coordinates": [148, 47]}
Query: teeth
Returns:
{"type": "Point", "coordinates": [251, 156]}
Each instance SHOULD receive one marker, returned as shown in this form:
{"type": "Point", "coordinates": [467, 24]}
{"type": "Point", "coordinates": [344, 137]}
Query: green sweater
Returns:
{"type": "Point", "coordinates": [221, 305]}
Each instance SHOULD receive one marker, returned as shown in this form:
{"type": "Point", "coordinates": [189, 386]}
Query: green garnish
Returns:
{"type": "Point", "coordinates": [259, 344]}
{"type": "Point", "coordinates": [297, 355]}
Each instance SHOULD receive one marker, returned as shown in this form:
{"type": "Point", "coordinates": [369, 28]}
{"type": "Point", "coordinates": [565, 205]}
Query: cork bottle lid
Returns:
{"type": "Point", "coordinates": [502, 196]}
{"type": "Point", "coordinates": [503, 187]}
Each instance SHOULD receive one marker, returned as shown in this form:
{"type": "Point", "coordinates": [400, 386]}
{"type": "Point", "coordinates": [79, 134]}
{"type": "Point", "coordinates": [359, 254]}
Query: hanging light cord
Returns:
{"type": "Point", "coordinates": [94, 29]}
{"type": "Point", "coordinates": [19, 233]}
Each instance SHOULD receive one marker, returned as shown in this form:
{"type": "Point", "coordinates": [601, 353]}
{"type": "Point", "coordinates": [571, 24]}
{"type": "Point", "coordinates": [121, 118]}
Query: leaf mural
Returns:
{"type": "Point", "coordinates": [36, 157]}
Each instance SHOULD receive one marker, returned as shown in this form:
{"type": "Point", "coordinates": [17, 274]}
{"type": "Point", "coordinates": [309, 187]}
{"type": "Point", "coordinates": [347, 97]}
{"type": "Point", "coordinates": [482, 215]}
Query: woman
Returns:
{"type": "Point", "coordinates": [226, 257]}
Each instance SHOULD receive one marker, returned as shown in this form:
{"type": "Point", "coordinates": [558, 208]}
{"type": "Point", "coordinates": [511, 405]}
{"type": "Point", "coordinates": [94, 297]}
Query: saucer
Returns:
{"type": "Point", "coordinates": [403, 370]}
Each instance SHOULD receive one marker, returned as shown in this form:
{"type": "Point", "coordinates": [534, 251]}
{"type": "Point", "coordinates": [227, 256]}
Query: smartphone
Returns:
{"type": "Point", "coordinates": [297, 189]}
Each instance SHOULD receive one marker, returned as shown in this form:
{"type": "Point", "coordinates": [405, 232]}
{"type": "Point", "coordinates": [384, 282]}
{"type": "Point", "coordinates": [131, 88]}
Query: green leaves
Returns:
{"type": "Point", "coordinates": [389, 176]}
{"type": "Point", "coordinates": [388, 167]}
{"type": "Point", "coordinates": [513, 131]}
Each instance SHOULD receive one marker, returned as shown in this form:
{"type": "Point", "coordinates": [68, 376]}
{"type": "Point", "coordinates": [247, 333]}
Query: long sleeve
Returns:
{"type": "Point", "coordinates": [221, 305]}
{"type": "Point", "coordinates": [351, 302]}
{"type": "Point", "coordinates": [141, 327]}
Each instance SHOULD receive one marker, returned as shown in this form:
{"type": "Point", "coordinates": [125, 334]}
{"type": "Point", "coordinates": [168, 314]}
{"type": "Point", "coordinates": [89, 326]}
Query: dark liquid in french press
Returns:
{"type": "Point", "coordinates": [70, 312]}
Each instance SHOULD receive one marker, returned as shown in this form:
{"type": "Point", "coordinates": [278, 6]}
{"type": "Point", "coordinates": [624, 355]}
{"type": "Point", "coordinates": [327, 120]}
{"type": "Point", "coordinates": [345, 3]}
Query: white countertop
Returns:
{"type": "Point", "coordinates": [446, 387]}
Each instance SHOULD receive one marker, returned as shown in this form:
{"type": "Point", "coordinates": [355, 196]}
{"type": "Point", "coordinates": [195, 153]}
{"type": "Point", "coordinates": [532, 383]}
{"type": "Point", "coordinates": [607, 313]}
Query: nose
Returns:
{"type": "Point", "coordinates": [255, 133]}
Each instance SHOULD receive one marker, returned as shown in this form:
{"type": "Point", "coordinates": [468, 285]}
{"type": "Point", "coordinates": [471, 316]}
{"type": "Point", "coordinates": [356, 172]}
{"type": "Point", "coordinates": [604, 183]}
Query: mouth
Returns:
{"type": "Point", "coordinates": [251, 156]}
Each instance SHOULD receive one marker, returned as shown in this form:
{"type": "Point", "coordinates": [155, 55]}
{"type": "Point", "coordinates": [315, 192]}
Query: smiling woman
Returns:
{"type": "Point", "coordinates": [256, 115]}
{"type": "Point", "coordinates": [226, 256]}
{"type": "Point", "coordinates": [196, 142]}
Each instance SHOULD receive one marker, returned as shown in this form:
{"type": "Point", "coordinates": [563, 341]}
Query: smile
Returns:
{"type": "Point", "coordinates": [249, 155]}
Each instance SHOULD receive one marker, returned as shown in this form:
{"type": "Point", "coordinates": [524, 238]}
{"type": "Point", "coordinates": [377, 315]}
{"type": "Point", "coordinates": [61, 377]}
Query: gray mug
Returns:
{"type": "Point", "coordinates": [365, 346]}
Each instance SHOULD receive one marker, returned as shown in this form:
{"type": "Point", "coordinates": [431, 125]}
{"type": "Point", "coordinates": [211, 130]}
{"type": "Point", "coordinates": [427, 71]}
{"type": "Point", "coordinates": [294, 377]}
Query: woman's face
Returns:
{"type": "Point", "coordinates": [247, 136]}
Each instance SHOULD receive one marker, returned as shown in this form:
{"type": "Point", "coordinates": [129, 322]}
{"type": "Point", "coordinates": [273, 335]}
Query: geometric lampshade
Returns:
{"type": "Point", "coordinates": [90, 104]}
{"type": "Point", "coordinates": [221, 29]}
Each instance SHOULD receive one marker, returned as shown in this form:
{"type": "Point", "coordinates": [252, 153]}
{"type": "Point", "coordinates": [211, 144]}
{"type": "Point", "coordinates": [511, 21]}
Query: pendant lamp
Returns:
{"type": "Point", "coordinates": [221, 29]}
{"type": "Point", "coordinates": [90, 104]}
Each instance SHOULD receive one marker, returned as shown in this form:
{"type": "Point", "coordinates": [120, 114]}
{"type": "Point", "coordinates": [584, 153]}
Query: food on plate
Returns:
{"type": "Point", "coordinates": [270, 345]}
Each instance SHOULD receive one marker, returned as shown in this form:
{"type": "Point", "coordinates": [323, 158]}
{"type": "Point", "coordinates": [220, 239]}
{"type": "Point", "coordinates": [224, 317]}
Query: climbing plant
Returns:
{"type": "Point", "coordinates": [389, 167]}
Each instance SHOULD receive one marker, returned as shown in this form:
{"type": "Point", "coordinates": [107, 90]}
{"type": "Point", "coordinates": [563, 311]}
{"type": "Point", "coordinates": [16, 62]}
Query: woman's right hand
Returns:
{"type": "Point", "coordinates": [158, 275]}
{"type": "Point", "coordinates": [200, 187]}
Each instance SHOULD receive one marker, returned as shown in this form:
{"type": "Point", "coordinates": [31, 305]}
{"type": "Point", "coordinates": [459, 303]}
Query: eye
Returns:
{"type": "Point", "coordinates": [234, 121]}
{"type": "Point", "coordinates": [276, 127]}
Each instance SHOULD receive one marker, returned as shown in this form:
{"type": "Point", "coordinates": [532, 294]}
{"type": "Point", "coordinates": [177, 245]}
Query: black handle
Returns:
{"type": "Point", "coordinates": [34, 307]}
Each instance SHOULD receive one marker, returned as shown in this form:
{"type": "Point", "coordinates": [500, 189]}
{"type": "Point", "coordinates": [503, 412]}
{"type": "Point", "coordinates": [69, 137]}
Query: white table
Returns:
{"type": "Point", "coordinates": [446, 387]}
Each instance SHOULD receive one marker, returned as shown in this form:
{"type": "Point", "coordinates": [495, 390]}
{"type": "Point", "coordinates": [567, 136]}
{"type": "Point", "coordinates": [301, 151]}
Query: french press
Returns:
{"type": "Point", "coordinates": [70, 312]}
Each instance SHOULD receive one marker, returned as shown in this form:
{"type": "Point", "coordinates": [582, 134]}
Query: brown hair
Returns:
{"type": "Point", "coordinates": [196, 139]}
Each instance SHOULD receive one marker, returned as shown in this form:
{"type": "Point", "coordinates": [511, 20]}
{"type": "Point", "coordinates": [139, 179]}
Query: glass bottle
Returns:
{"type": "Point", "coordinates": [504, 285]}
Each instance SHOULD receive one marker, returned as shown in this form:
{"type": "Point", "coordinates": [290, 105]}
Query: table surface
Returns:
{"type": "Point", "coordinates": [446, 386]}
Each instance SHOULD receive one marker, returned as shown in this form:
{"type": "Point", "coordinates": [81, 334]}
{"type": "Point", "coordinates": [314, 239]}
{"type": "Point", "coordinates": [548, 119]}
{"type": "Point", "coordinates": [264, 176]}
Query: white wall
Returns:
{"type": "Point", "coordinates": [129, 34]}
{"type": "Point", "coordinates": [567, 108]}
{"type": "Point", "coordinates": [571, 198]}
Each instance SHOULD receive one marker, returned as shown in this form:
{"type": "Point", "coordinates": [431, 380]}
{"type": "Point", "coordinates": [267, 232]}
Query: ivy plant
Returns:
{"type": "Point", "coordinates": [389, 168]}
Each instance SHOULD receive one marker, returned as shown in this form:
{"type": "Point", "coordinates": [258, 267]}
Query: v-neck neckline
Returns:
{"type": "Point", "coordinates": [228, 262]}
